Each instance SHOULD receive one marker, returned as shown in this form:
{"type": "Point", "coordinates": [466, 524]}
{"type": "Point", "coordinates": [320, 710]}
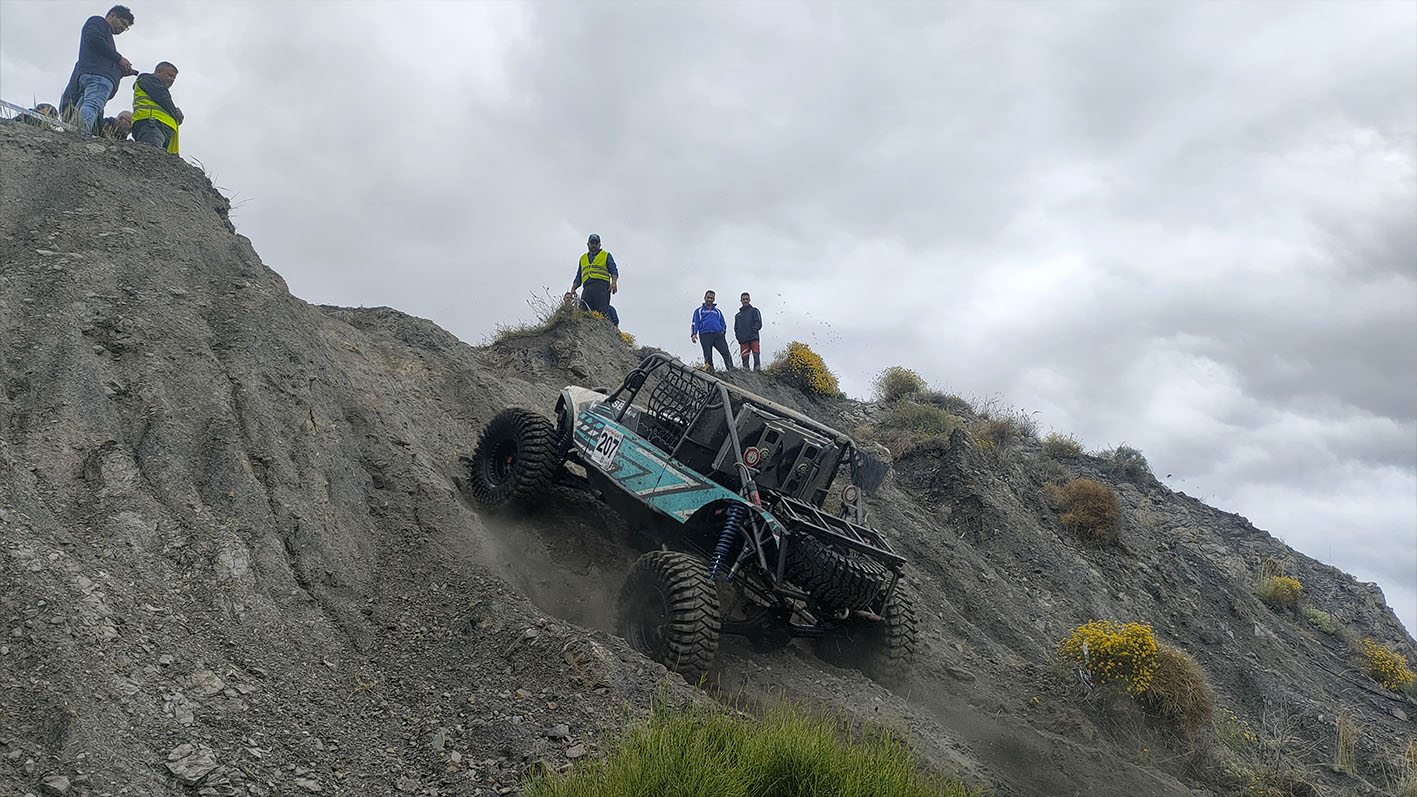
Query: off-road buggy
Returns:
{"type": "Point", "coordinates": [731, 494]}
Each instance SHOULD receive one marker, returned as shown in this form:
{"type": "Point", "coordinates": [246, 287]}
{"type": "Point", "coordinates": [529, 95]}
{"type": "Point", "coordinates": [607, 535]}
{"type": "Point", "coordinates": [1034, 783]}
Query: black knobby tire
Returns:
{"type": "Point", "coordinates": [515, 459]}
{"type": "Point", "coordinates": [883, 649]}
{"type": "Point", "coordinates": [834, 578]}
{"type": "Point", "coordinates": [668, 610]}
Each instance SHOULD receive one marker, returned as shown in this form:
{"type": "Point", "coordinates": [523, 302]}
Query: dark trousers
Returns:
{"type": "Point", "coordinates": [596, 295]}
{"type": "Point", "coordinates": [155, 133]}
{"type": "Point", "coordinates": [715, 340]}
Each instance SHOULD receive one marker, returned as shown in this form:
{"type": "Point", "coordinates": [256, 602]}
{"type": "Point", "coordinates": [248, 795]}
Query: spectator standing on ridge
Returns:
{"type": "Point", "coordinates": [155, 116]}
{"type": "Point", "coordinates": [116, 128]}
{"type": "Point", "coordinates": [100, 67]}
{"type": "Point", "coordinates": [745, 328]}
{"type": "Point", "coordinates": [710, 331]}
{"type": "Point", "coordinates": [598, 275]}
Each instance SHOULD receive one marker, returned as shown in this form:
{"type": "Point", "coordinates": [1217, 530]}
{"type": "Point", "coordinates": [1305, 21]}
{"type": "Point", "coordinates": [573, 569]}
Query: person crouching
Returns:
{"type": "Point", "coordinates": [155, 115]}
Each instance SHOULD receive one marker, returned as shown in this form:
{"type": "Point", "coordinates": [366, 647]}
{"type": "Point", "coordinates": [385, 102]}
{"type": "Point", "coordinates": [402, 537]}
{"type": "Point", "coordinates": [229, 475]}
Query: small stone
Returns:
{"type": "Point", "coordinates": [309, 784]}
{"type": "Point", "coordinates": [1210, 637]}
{"type": "Point", "coordinates": [1399, 713]}
{"type": "Point", "coordinates": [406, 784]}
{"type": "Point", "coordinates": [440, 738]}
{"type": "Point", "coordinates": [165, 660]}
{"type": "Point", "coordinates": [960, 674]}
{"type": "Point", "coordinates": [530, 633]}
{"type": "Point", "coordinates": [190, 765]}
{"type": "Point", "coordinates": [559, 732]}
{"type": "Point", "coordinates": [54, 784]}
{"type": "Point", "coordinates": [576, 751]}
{"type": "Point", "coordinates": [522, 694]}
{"type": "Point", "coordinates": [454, 756]}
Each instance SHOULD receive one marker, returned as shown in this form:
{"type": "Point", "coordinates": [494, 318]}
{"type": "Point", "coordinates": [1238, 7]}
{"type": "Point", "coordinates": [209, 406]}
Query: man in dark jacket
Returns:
{"type": "Point", "coordinates": [116, 128]}
{"type": "Point", "coordinates": [155, 116]}
{"type": "Point", "coordinates": [745, 328]}
{"type": "Point", "coordinates": [708, 328]}
{"type": "Point", "coordinates": [100, 67]}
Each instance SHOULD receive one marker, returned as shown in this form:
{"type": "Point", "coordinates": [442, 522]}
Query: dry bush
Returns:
{"type": "Point", "coordinates": [1406, 780]}
{"type": "Point", "coordinates": [1279, 592]}
{"type": "Point", "coordinates": [896, 382]}
{"type": "Point", "coordinates": [1089, 508]}
{"type": "Point", "coordinates": [1062, 446]}
{"type": "Point", "coordinates": [804, 369]}
{"type": "Point", "coordinates": [1179, 690]}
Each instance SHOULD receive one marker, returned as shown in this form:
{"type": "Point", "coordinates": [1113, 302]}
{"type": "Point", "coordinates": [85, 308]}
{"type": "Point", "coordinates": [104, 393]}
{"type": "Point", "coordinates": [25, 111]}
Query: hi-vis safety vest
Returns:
{"type": "Point", "coordinates": [145, 108]}
{"type": "Point", "coordinates": [594, 269]}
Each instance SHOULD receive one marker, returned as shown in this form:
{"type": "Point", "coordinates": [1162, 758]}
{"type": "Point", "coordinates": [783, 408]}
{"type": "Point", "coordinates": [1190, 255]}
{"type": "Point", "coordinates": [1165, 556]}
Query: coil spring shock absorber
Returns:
{"type": "Point", "coordinates": [732, 525]}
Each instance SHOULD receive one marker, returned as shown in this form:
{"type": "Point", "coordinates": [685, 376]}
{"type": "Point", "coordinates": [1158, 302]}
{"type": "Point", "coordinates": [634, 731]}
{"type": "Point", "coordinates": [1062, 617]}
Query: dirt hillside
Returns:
{"type": "Point", "coordinates": [236, 558]}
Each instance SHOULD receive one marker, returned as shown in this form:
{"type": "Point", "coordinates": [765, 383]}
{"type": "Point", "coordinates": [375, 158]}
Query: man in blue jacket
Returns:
{"type": "Point", "coordinates": [708, 328]}
{"type": "Point", "coordinates": [99, 69]}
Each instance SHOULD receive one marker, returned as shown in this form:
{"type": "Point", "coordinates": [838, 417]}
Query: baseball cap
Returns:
{"type": "Point", "coordinates": [593, 237]}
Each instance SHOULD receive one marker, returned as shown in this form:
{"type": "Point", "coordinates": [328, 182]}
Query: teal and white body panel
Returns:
{"type": "Point", "coordinates": [637, 467]}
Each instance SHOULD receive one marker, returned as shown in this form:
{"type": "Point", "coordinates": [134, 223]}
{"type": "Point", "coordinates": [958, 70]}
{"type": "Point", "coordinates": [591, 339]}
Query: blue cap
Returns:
{"type": "Point", "coordinates": [593, 237]}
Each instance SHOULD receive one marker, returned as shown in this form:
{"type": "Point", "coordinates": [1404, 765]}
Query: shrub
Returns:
{"type": "Point", "coordinates": [805, 370]}
{"type": "Point", "coordinates": [897, 382]}
{"type": "Point", "coordinates": [1050, 469]}
{"type": "Point", "coordinates": [1236, 734]}
{"type": "Point", "coordinates": [1125, 462]}
{"type": "Point", "coordinates": [1347, 742]}
{"type": "Point", "coordinates": [922, 419]}
{"type": "Point", "coordinates": [1179, 690]}
{"type": "Point", "coordinates": [1089, 508]}
{"type": "Point", "coordinates": [948, 402]}
{"type": "Point", "coordinates": [704, 751]}
{"type": "Point", "coordinates": [1062, 446]}
{"type": "Point", "coordinates": [1386, 666]}
{"type": "Point", "coordinates": [1279, 592]}
{"type": "Point", "coordinates": [628, 338]}
{"type": "Point", "coordinates": [1001, 433]}
{"type": "Point", "coordinates": [1114, 653]}
{"type": "Point", "coordinates": [1319, 619]}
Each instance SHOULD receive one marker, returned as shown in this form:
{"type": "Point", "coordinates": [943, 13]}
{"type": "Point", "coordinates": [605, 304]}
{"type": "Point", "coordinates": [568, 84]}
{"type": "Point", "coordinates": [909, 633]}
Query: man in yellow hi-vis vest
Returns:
{"type": "Point", "coordinates": [155, 115]}
{"type": "Point", "coordinates": [598, 275]}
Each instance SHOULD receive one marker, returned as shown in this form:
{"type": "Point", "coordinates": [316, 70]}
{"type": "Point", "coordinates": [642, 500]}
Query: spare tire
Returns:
{"type": "Point", "coordinates": [515, 459]}
{"type": "Point", "coordinates": [837, 579]}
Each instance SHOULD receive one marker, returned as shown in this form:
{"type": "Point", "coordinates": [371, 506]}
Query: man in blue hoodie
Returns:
{"type": "Point", "coordinates": [99, 69]}
{"type": "Point", "coordinates": [708, 329]}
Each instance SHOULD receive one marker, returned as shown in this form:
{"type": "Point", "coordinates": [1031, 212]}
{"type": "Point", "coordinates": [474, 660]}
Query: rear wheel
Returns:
{"type": "Point", "coordinates": [883, 649]}
{"type": "Point", "coordinates": [515, 459]}
{"type": "Point", "coordinates": [669, 611]}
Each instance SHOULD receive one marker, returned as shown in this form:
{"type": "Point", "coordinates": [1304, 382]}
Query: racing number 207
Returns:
{"type": "Point", "coordinates": [607, 445]}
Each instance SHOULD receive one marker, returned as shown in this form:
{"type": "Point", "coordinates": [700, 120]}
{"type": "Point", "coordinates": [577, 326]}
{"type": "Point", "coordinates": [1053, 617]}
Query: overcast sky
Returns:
{"type": "Point", "coordinates": [1187, 227]}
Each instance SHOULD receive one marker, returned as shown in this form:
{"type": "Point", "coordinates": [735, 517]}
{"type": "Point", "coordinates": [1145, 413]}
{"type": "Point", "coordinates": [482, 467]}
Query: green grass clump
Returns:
{"type": "Point", "coordinates": [713, 752]}
{"type": "Point", "coordinates": [1062, 446]}
{"type": "Point", "coordinates": [1125, 462]}
{"type": "Point", "coordinates": [1320, 619]}
{"type": "Point", "coordinates": [921, 419]}
{"type": "Point", "coordinates": [897, 382]}
{"type": "Point", "coordinates": [949, 402]}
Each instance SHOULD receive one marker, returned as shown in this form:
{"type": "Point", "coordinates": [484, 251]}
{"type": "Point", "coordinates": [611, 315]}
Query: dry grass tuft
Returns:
{"type": "Point", "coordinates": [1089, 508]}
{"type": "Point", "coordinates": [1062, 446]}
{"type": "Point", "coordinates": [1347, 742]}
{"type": "Point", "coordinates": [1179, 690]}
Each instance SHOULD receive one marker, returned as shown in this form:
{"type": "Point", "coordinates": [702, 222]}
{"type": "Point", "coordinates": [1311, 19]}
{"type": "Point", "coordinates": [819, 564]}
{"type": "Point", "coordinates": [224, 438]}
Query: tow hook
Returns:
{"type": "Point", "coordinates": [868, 615]}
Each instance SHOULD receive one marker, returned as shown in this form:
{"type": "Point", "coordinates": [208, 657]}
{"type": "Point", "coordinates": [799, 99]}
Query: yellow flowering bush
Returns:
{"type": "Point", "coordinates": [628, 338]}
{"type": "Point", "coordinates": [1114, 652]}
{"type": "Point", "coordinates": [1386, 666]}
{"type": "Point", "coordinates": [1279, 592]}
{"type": "Point", "coordinates": [805, 369]}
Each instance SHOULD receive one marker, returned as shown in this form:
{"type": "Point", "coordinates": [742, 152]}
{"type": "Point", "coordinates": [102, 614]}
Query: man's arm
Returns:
{"type": "Point", "coordinates": [757, 320]}
{"type": "Point", "coordinates": [577, 283]}
{"type": "Point", "coordinates": [694, 324]}
{"type": "Point", "coordinates": [614, 272]}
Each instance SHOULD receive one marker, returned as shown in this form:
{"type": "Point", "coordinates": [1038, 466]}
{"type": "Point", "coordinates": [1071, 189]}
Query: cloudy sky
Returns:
{"type": "Point", "coordinates": [1187, 227]}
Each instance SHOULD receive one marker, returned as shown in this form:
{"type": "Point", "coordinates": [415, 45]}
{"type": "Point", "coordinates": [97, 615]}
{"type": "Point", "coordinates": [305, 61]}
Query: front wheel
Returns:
{"type": "Point", "coordinates": [515, 459]}
{"type": "Point", "coordinates": [669, 611]}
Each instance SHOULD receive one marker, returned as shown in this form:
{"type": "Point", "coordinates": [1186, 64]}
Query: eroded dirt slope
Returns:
{"type": "Point", "coordinates": [236, 558]}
